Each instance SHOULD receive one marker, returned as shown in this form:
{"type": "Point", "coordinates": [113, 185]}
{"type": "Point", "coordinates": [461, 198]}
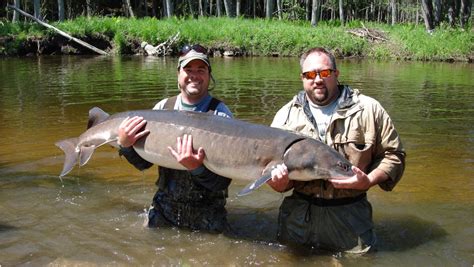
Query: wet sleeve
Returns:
{"type": "Point", "coordinates": [210, 180]}
{"type": "Point", "coordinates": [133, 158]}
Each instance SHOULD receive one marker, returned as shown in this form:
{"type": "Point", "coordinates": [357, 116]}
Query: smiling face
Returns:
{"type": "Point", "coordinates": [320, 91]}
{"type": "Point", "coordinates": [193, 81]}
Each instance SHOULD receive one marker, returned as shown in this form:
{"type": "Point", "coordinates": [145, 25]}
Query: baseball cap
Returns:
{"type": "Point", "coordinates": [189, 53]}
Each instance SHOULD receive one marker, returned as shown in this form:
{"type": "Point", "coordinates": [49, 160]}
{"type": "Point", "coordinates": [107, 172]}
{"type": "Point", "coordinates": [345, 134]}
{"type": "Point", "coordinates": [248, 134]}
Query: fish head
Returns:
{"type": "Point", "coordinates": [310, 159]}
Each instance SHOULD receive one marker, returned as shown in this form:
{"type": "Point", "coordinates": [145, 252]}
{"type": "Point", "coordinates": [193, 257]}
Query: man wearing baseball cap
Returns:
{"type": "Point", "coordinates": [194, 198]}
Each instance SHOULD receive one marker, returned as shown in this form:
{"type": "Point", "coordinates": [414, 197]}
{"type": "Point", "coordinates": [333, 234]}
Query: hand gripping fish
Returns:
{"type": "Point", "coordinates": [234, 149]}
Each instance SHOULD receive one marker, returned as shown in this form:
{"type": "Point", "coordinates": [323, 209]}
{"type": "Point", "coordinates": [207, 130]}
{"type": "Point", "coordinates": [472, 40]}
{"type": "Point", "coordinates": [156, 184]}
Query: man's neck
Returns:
{"type": "Point", "coordinates": [190, 100]}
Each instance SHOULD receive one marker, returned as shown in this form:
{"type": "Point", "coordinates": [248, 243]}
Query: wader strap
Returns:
{"type": "Point", "coordinates": [213, 105]}
{"type": "Point", "coordinates": [323, 202]}
{"type": "Point", "coordinates": [169, 105]}
{"type": "Point", "coordinates": [171, 101]}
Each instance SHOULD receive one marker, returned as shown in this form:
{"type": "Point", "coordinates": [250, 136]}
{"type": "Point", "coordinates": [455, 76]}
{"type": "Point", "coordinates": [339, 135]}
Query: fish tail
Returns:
{"type": "Point", "coordinates": [70, 152]}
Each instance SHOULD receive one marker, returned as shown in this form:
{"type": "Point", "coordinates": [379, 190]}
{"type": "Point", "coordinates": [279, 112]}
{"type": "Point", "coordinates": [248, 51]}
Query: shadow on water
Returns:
{"type": "Point", "coordinates": [7, 227]}
{"type": "Point", "coordinates": [405, 232]}
{"type": "Point", "coordinates": [253, 226]}
{"type": "Point", "coordinates": [397, 232]}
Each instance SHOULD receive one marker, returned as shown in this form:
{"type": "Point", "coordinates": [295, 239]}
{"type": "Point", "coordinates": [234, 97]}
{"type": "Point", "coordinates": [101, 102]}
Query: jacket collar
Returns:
{"type": "Point", "coordinates": [347, 102]}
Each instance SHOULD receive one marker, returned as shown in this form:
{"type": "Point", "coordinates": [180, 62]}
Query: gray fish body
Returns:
{"type": "Point", "coordinates": [234, 148]}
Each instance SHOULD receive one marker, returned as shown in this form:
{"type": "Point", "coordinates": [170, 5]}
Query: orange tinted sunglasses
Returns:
{"type": "Point", "coordinates": [311, 75]}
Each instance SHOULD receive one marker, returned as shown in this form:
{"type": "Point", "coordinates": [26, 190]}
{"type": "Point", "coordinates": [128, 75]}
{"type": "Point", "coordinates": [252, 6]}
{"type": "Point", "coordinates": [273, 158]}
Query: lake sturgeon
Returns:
{"type": "Point", "coordinates": [235, 149]}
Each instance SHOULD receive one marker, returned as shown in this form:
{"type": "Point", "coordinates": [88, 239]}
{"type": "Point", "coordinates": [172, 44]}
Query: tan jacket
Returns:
{"type": "Point", "coordinates": [360, 129]}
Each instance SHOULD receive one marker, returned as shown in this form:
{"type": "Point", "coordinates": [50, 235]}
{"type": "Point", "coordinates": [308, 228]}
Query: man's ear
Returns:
{"type": "Point", "coordinates": [336, 72]}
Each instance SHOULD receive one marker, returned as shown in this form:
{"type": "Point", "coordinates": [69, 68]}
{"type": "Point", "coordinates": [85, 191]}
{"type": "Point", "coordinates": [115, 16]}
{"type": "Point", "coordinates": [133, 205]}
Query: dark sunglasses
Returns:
{"type": "Point", "coordinates": [311, 75]}
{"type": "Point", "coordinates": [198, 48]}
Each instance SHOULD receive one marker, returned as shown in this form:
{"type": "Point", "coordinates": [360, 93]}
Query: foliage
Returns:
{"type": "Point", "coordinates": [263, 36]}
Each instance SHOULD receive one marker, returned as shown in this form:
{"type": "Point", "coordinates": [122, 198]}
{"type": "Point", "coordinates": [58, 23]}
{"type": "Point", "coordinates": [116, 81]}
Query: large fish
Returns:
{"type": "Point", "coordinates": [234, 148]}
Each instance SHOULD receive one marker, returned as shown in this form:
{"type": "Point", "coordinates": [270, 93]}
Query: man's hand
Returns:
{"type": "Point", "coordinates": [360, 181]}
{"type": "Point", "coordinates": [130, 130]}
{"type": "Point", "coordinates": [185, 153]}
{"type": "Point", "coordinates": [280, 180]}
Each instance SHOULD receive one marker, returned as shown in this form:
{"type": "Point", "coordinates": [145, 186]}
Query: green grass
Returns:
{"type": "Point", "coordinates": [263, 37]}
{"type": "Point", "coordinates": [414, 43]}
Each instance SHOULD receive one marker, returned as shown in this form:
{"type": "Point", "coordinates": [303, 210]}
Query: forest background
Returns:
{"type": "Point", "coordinates": [400, 29]}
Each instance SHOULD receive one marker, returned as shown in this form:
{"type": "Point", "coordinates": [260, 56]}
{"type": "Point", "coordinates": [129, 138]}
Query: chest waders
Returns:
{"type": "Point", "coordinates": [181, 201]}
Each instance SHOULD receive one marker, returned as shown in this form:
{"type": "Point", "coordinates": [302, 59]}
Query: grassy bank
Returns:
{"type": "Point", "coordinates": [251, 37]}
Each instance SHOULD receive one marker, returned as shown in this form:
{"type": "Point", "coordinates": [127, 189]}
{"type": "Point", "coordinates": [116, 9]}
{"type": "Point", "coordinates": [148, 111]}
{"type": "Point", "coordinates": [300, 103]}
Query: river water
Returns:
{"type": "Point", "coordinates": [95, 215]}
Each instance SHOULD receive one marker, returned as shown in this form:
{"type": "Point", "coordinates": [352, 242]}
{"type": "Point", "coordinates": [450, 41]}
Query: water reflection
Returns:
{"type": "Point", "coordinates": [95, 215]}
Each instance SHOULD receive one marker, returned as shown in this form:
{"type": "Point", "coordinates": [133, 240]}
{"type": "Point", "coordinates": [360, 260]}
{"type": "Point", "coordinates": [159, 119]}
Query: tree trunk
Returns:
{"type": "Point", "coordinates": [372, 11]}
{"type": "Point", "coordinates": [237, 8]}
{"type": "Point", "coordinates": [16, 15]}
{"type": "Point", "coordinates": [168, 8]}
{"type": "Point", "coordinates": [254, 8]}
{"type": "Point", "coordinates": [308, 10]}
{"type": "Point", "coordinates": [205, 6]}
{"type": "Point", "coordinates": [210, 7]}
{"type": "Point", "coordinates": [128, 8]}
{"type": "Point", "coordinates": [154, 9]}
{"type": "Point", "coordinates": [228, 8]}
{"type": "Point", "coordinates": [393, 4]}
{"type": "Point", "coordinates": [428, 14]}
{"type": "Point", "coordinates": [37, 9]}
{"type": "Point", "coordinates": [200, 8]}
{"type": "Point", "coordinates": [145, 7]}
{"type": "Point", "coordinates": [191, 8]}
{"type": "Point", "coordinates": [314, 13]}
{"type": "Point", "coordinates": [269, 9]}
{"type": "Point", "coordinates": [219, 8]}
{"type": "Point", "coordinates": [88, 8]}
{"type": "Point", "coordinates": [60, 10]}
{"type": "Point", "coordinates": [279, 10]}
{"type": "Point", "coordinates": [465, 13]}
{"type": "Point", "coordinates": [417, 16]}
{"type": "Point", "coordinates": [437, 12]}
{"type": "Point", "coordinates": [452, 13]}
{"type": "Point", "coordinates": [68, 36]}
{"type": "Point", "coordinates": [69, 11]}
{"type": "Point", "coordinates": [341, 11]}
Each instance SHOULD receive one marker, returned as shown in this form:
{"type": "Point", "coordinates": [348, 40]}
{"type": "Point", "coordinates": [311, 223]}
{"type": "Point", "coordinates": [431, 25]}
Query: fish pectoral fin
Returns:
{"type": "Point", "coordinates": [111, 142]}
{"type": "Point", "coordinates": [86, 154]}
{"type": "Point", "coordinates": [256, 184]}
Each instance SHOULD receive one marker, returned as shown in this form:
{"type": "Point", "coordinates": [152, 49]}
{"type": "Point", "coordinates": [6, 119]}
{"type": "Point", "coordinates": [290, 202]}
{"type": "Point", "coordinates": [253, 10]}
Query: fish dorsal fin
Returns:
{"type": "Point", "coordinates": [96, 116]}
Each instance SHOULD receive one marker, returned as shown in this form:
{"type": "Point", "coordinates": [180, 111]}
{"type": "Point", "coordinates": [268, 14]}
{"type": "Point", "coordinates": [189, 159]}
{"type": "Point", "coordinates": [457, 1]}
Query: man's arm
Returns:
{"type": "Point", "coordinates": [133, 158]}
{"type": "Point", "coordinates": [210, 180]}
{"type": "Point", "coordinates": [388, 164]}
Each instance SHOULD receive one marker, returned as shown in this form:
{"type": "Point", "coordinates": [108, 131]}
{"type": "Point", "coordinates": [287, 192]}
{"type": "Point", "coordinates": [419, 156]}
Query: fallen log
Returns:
{"type": "Point", "coordinates": [91, 47]}
{"type": "Point", "coordinates": [161, 49]}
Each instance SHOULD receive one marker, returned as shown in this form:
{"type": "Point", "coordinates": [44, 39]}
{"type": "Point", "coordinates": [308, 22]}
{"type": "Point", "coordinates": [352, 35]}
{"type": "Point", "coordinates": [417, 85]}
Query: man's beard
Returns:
{"type": "Point", "coordinates": [320, 97]}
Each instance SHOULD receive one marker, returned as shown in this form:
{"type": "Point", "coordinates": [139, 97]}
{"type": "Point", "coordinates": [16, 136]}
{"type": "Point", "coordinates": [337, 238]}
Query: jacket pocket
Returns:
{"type": "Point", "coordinates": [356, 147]}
